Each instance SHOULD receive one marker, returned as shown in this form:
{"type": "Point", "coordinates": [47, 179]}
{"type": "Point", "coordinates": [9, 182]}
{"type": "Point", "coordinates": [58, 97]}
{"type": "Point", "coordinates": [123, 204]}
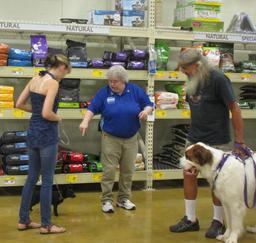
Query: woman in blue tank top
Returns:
{"type": "Point", "coordinates": [42, 91]}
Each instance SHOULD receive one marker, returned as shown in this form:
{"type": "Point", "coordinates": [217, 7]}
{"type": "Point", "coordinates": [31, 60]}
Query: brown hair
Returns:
{"type": "Point", "coordinates": [54, 61]}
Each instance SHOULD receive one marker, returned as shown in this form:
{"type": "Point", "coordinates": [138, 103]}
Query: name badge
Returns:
{"type": "Point", "coordinates": [111, 100]}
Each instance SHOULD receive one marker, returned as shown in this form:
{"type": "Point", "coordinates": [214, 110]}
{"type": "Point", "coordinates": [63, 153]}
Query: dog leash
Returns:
{"type": "Point", "coordinates": [219, 168]}
{"type": "Point", "coordinates": [62, 133]}
{"type": "Point", "coordinates": [58, 189]}
{"type": "Point", "coordinates": [249, 153]}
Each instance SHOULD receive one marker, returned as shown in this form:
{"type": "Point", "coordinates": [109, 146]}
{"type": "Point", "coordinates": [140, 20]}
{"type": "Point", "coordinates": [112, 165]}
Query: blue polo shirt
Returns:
{"type": "Point", "coordinates": [120, 112]}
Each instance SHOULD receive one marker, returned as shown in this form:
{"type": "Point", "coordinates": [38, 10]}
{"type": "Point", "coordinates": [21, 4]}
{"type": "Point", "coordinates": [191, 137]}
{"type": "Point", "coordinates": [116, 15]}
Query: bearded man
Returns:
{"type": "Point", "coordinates": [211, 98]}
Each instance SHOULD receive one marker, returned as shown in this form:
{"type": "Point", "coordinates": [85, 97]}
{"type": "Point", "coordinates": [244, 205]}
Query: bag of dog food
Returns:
{"type": "Point", "coordinates": [16, 170]}
{"type": "Point", "coordinates": [4, 49]}
{"type": "Point", "coordinates": [6, 97]}
{"type": "Point", "coordinates": [16, 159]}
{"type": "Point", "coordinates": [13, 137]}
{"type": "Point", "coordinates": [39, 49]}
{"type": "Point", "coordinates": [6, 104]}
{"type": "Point", "coordinates": [14, 148]}
{"type": "Point", "coordinates": [6, 89]}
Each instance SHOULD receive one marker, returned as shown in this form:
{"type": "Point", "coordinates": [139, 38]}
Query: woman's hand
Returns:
{"type": "Point", "coordinates": [143, 115]}
{"type": "Point", "coordinates": [83, 127]}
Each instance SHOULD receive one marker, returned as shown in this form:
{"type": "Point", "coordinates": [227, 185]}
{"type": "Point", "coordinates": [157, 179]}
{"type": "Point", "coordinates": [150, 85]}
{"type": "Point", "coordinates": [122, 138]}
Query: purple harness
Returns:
{"type": "Point", "coordinates": [248, 152]}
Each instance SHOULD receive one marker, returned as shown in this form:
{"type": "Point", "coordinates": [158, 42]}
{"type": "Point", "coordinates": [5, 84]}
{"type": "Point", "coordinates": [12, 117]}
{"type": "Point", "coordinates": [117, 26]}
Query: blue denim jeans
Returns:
{"type": "Point", "coordinates": [41, 161]}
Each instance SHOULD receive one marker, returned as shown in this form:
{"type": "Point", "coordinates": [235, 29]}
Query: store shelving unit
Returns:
{"type": "Point", "coordinates": [151, 33]}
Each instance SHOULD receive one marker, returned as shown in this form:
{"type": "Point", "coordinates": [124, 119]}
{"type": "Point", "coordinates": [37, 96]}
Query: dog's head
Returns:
{"type": "Point", "coordinates": [197, 155]}
{"type": "Point", "coordinates": [67, 191]}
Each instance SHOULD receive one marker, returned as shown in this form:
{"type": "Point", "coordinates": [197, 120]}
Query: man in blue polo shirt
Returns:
{"type": "Point", "coordinates": [122, 105]}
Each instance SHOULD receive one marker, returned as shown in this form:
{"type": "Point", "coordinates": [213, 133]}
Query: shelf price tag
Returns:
{"type": "Point", "coordinates": [9, 180]}
{"type": "Point", "coordinates": [97, 73]}
{"type": "Point", "coordinates": [97, 177]}
{"type": "Point", "coordinates": [1, 113]}
{"type": "Point", "coordinates": [157, 175]}
{"type": "Point", "coordinates": [83, 111]}
{"type": "Point", "coordinates": [246, 76]}
{"type": "Point", "coordinates": [72, 178]}
{"type": "Point", "coordinates": [161, 113]}
{"type": "Point", "coordinates": [160, 74]}
{"type": "Point", "coordinates": [18, 113]}
{"type": "Point", "coordinates": [18, 71]}
{"type": "Point", "coordinates": [173, 74]}
{"type": "Point", "coordinates": [186, 113]}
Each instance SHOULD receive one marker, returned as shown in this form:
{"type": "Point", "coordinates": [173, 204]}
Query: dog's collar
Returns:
{"type": "Point", "coordinates": [219, 168]}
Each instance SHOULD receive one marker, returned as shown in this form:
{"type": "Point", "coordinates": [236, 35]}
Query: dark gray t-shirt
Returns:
{"type": "Point", "coordinates": [209, 111]}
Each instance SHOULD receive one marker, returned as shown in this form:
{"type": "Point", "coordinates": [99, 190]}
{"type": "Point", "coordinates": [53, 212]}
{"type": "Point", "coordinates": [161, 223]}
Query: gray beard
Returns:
{"type": "Point", "coordinates": [194, 84]}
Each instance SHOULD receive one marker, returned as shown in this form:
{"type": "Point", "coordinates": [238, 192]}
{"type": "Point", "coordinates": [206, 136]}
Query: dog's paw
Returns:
{"type": "Point", "coordinates": [220, 238]}
{"type": "Point", "coordinates": [251, 229]}
{"type": "Point", "coordinates": [232, 239]}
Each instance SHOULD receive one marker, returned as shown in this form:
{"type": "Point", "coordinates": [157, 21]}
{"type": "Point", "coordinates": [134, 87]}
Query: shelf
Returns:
{"type": "Point", "coordinates": [73, 29]}
{"type": "Point", "coordinates": [79, 178]}
{"type": "Point", "coordinates": [171, 174]}
{"type": "Point", "coordinates": [67, 114]}
{"type": "Point", "coordinates": [81, 73]}
{"type": "Point", "coordinates": [184, 114]}
{"type": "Point", "coordinates": [77, 114]}
{"type": "Point", "coordinates": [170, 34]}
{"type": "Point", "coordinates": [100, 74]}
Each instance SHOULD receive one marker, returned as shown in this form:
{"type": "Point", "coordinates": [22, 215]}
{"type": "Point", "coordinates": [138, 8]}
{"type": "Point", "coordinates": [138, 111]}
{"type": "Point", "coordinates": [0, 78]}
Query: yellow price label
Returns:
{"type": "Point", "coordinates": [97, 177]}
{"type": "Point", "coordinates": [173, 74]}
{"type": "Point", "coordinates": [186, 113]}
{"type": "Point", "coordinates": [160, 74]}
{"type": "Point", "coordinates": [161, 113]}
{"type": "Point", "coordinates": [97, 73]}
{"type": "Point", "coordinates": [18, 70]}
{"type": "Point", "coordinates": [83, 111]}
{"type": "Point", "coordinates": [37, 70]}
{"type": "Point", "coordinates": [246, 76]}
{"type": "Point", "coordinates": [157, 175]}
{"type": "Point", "coordinates": [10, 180]}
{"type": "Point", "coordinates": [1, 113]}
{"type": "Point", "coordinates": [18, 113]}
{"type": "Point", "coordinates": [72, 178]}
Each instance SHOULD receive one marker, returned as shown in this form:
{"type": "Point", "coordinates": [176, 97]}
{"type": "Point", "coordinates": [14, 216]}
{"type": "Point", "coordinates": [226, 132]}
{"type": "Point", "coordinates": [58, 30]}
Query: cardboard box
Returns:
{"type": "Point", "coordinates": [133, 18]}
{"type": "Point", "coordinates": [105, 17]}
{"type": "Point", "coordinates": [201, 26]}
{"type": "Point", "coordinates": [136, 5]}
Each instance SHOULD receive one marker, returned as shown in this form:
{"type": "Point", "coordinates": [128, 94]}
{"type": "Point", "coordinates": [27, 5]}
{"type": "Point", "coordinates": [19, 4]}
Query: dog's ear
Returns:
{"type": "Point", "coordinates": [199, 155]}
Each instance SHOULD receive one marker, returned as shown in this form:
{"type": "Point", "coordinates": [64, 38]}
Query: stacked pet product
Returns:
{"type": "Point", "coordinates": [248, 96]}
{"type": "Point", "coordinates": [166, 100]}
{"type": "Point", "coordinates": [69, 93]}
{"type": "Point", "coordinates": [77, 55]}
{"type": "Point", "coordinates": [39, 49]}
{"type": "Point", "coordinates": [133, 12]}
{"type": "Point", "coordinates": [198, 14]}
{"type": "Point", "coordinates": [180, 91]}
{"type": "Point", "coordinates": [6, 97]}
{"type": "Point", "coordinates": [74, 162]}
{"type": "Point", "coordinates": [4, 49]}
{"type": "Point", "coordinates": [19, 58]}
{"type": "Point", "coordinates": [105, 17]}
{"type": "Point", "coordinates": [139, 163]}
{"type": "Point", "coordinates": [130, 59]}
{"type": "Point", "coordinates": [14, 149]}
{"type": "Point", "coordinates": [172, 152]}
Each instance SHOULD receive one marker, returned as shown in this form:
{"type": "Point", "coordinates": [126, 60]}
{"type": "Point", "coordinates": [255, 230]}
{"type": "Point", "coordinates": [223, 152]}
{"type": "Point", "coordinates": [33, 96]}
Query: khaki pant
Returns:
{"type": "Point", "coordinates": [117, 151]}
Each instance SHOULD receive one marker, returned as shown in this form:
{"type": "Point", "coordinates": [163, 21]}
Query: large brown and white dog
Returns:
{"type": "Point", "coordinates": [228, 187]}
